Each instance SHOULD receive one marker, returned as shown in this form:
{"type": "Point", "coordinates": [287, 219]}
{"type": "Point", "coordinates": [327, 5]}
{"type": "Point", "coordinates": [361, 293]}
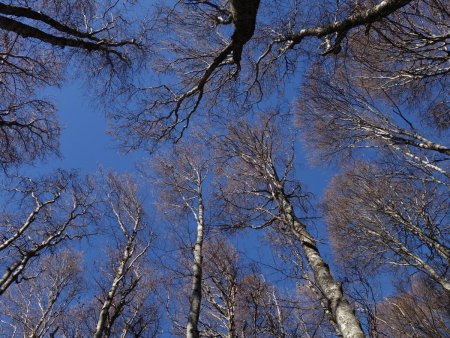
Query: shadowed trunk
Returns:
{"type": "Point", "coordinates": [244, 19]}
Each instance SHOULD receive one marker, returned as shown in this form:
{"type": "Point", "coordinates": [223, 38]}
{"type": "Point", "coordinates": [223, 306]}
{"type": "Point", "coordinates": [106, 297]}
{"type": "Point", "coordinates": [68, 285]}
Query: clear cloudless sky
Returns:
{"type": "Point", "coordinates": [85, 144]}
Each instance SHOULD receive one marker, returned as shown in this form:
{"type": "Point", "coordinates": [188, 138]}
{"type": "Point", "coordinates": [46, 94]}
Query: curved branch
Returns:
{"type": "Point", "coordinates": [27, 12]}
{"type": "Point", "coordinates": [376, 13]}
{"type": "Point", "coordinates": [28, 31]}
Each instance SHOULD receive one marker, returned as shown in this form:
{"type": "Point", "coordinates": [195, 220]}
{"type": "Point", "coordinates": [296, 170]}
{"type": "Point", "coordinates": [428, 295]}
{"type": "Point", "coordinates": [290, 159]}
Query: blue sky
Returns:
{"type": "Point", "coordinates": [86, 146]}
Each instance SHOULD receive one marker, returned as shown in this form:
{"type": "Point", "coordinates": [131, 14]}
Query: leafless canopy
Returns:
{"type": "Point", "coordinates": [260, 188]}
{"type": "Point", "coordinates": [38, 40]}
{"type": "Point", "coordinates": [127, 283]}
{"type": "Point", "coordinates": [47, 212]}
{"type": "Point", "coordinates": [420, 311]}
{"type": "Point", "coordinates": [40, 306]}
{"type": "Point", "coordinates": [201, 65]}
{"type": "Point", "coordinates": [390, 220]}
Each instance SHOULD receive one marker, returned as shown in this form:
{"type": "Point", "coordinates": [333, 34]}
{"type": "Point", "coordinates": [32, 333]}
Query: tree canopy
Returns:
{"type": "Point", "coordinates": [230, 101]}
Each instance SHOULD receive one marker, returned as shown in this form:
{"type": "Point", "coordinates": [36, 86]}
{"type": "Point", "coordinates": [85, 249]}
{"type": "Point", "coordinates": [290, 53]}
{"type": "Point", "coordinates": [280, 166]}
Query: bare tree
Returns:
{"type": "Point", "coordinates": [127, 283]}
{"type": "Point", "coordinates": [342, 116]}
{"type": "Point", "coordinates": [421, 311]}
{"type": "Point", "coordinates": [257, 314]}
{"type": "Point", "coordinates": [418, 37]}
{"type": "Point", "coordinates": [265, 310]}
{"type": "Point", "coordinates": [124, 305]}
{"type": "Point", "coordinates": [403, 220]}
{"type": "Point", "coordinates": [378, 81]}
{"type": "Point", "coordinates": [203, 60]}
{"type": "Point", "coordinates": [37, 306]}
{"type": "Point", "coordinates": [133, 310]}
{"type": "Point", "coordinates": [47, 212]}
{"type": "Point", "coordinates": [260, 185]}
{"type": "Point", "coordinates": [239, 302]}
{"type": "Point", "coordinates": [221, 275]}
{"type": "Point", "coordinates": [68, 26]}
{"type": "Point", "coordinates": [39, 39]}
{"type": "Point", "coordinates": [28, 130]}
{"type": "Point", "coordinates": [305, 307]}
{"type": "Point", "coordinates": [392, 117]}
{"type": "Point", "coordinates": [182, 176]}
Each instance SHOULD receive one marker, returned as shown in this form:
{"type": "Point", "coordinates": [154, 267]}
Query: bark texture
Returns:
{"type": "Point", "coordinates": [259, 155]}
{"type": "Point", "coordinates": [102, 323]}
{"type": "Point", "coordinates": [197, 269]}
{"type": "Point", "coordinates": [340, 309]}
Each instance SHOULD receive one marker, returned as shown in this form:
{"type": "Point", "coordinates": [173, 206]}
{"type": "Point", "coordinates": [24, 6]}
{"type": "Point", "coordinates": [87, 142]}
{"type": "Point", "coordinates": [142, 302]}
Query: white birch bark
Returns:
{"type": "Point", "coordinates": [129, 219]}
{"type": "Point", "coordinates": [196, 294]}
{"type": "Point", "coordinates": [121, 270]}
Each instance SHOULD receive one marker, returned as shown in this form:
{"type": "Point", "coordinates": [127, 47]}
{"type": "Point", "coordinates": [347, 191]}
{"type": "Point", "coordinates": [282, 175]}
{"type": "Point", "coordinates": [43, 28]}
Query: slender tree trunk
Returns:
{"type": "Point", "coordinates": [231, 325]}
{"type": "Point", "coordinates": [196, 295]}
{"type": "Point", "coordinates": [102, 320]}
{"type": "Point", "coordinates": [342, 312]}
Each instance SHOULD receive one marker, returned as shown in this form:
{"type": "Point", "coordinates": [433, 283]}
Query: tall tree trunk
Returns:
{"type": "Point", "coordinates": [103, 317]}
{"type": "Point", "coordinates": [341, 311]}
{"type": "Point", "coordinates": [231, 325]}
{"type": "Point", "coordinates": [196, 295]}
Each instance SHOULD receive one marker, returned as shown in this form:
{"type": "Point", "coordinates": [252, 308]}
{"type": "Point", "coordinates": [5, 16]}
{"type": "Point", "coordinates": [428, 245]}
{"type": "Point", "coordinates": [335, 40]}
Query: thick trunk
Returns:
{"type": "Point", "coordinates": [196, 295]}
{"type": "Point", "coordinates": [341, 311]}
{"type": "Point", "coordinates": [373, 14]}
{"type": "Point", "coordinates": [244, 19]}
{"type": "Point", "coordinates": [27, 31]}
